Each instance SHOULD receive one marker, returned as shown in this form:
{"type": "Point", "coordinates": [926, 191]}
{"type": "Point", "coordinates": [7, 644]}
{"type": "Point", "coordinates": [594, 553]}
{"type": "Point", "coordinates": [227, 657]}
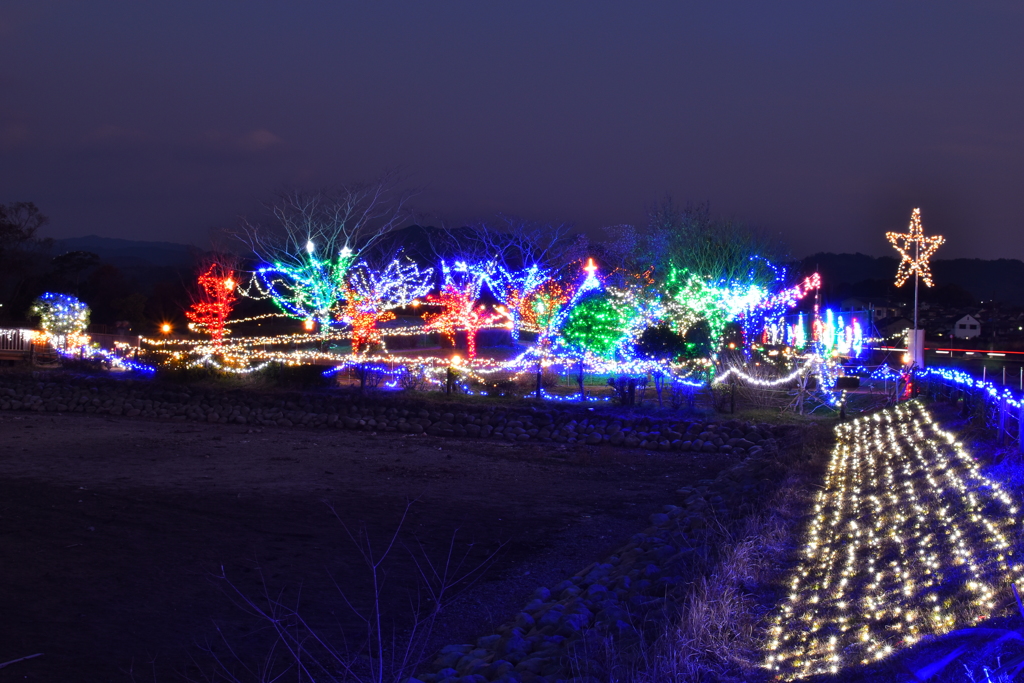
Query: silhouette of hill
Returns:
{"type": "Point", "coordinates": [130, 253]}
{"type": "Point", "coordinates": [862, 275]}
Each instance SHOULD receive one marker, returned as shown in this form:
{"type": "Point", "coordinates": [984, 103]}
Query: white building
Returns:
{"type": "Point", "coordinates": [966, 327]}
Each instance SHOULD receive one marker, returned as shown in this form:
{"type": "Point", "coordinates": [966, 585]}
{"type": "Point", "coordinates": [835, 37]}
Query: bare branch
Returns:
{"type": "Point", "coordinates": [351, 217]}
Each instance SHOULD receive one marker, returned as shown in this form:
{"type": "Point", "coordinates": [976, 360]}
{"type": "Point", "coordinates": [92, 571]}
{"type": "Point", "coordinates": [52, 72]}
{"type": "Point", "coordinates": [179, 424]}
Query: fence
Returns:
{"type": "Point", "coordinates": [1003, 413]}
{"type": "Point", "coordinates": [15, 344]}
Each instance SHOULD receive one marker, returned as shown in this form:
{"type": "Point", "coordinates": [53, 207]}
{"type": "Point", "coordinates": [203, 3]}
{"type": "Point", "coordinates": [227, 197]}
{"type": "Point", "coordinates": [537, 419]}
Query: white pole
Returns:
{"type": "Point", "coordinates": [917, 258]}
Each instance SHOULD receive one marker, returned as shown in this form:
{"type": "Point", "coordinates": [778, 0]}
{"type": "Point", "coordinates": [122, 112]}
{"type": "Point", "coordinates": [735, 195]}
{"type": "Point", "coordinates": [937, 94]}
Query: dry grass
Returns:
{"type": "Point", "coordinates": [719, 633]}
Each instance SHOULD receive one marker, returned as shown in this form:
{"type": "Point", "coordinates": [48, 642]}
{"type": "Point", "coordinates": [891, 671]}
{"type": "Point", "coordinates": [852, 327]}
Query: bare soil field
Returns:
{"type": "Point", "coordinates": [113, 530]}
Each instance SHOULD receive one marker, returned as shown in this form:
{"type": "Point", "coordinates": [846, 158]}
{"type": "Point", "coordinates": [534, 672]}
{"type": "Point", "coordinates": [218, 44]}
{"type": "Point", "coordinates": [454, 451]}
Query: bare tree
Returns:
{"type": "Point", "coordinates": [519, 243]}
{"type": "Point", "coordinates": [350, 217]}
{"type": "Point", "coordinates": [307, 251]}
{"type": "Point", "coordinates": [519, 256]}
{"type": "Point", "coordinates": [511, 242]}
{"type": "Point", "coordinates": [390, 652]}
{"type": "Point", "coordinates": [22, 254]}
{"type": "Point", "coordinates": [717, 250]}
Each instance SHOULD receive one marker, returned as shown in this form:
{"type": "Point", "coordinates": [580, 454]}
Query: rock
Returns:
{"type": "Point", "coordinates": [533, 665]}
{"type": "Point", "coordinates": [552, 616]}
{"type": "Point", "coordinates": [448, 659]}
{"type": "Point", "coordinates": [497, 668]}
{"type": "Point", "coordinates": [534, 605]}
{"type": "Point", "coordinates": [659, 519]}
{"type": "Point", "coordinates": [515, 646]}
{"type": "Point", "coordinates": [488, 642]}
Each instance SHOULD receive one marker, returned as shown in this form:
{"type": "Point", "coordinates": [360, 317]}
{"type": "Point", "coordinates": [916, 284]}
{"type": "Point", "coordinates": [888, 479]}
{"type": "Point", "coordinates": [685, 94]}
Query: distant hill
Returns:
{"type": "Point", "coordinates": [844, 274]}
{"type": "Point", "coordinates": [860, 274]}
{"type": "Point", "coordinates": [131, 253]}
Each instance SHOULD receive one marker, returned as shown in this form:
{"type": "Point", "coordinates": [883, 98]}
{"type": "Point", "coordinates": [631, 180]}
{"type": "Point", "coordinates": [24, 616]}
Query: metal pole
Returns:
{"type": "Point", "coordinates": [1020, 428]}
{"type": "Point", "coordinates": [917, 257]}
{"type": "Point", "coordinates": [1004, 375]}
{"type": "Point", "coordinates": [1002, 421]}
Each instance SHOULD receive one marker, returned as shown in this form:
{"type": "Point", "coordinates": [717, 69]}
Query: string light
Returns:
{"type": "Point", "coordinates": [808, 367]}
{"type": "Point", "coordinates": [457, 299]}
{"type": "Point", "coordinates": [543, 305]}
{"type": "Point", "coordinates": [586, 325]}
{"type": "Point", "coordinates": [921, 246]}
{"type": "Point", "coordinates": [372, 295]}
{"type": "Point", "coordinates": [514, 288]}
{"type": "Point", "coordinates": [308, 289]}
{"type": "Point", "coordinates": [908, 539]}
{"type": "Point", "coordinates": [754, 318]}
{"type": "Point", "coordinates": [216, 301]}
{"type": "Point", "coordinates": [963, 379]}
{"type": "Point", "coordinates": [63, 319]}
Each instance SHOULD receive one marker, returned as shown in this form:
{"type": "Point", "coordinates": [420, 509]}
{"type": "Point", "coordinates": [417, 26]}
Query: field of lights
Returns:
{"type": "Point", "coordinates": [909, 539]}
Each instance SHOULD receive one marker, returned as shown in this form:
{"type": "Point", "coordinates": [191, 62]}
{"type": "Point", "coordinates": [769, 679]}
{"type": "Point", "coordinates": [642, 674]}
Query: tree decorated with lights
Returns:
{"type": "Point", "coordinates": [62, 317]}
{"type": "Point", "coordinates": [514, 288]}
{"type": "Point", "coordinates": [594, 325]}
{"type": "Point", "coordinates": [458, 300]}
{"type": "Point", "coordinates": [309, 247]}
{"type": "Point", "coordinates": [214, 303]}
{"type": "Point", "coordinates": [588, 285]}
{"type": "Point", "coordinates": [691, 299]}
{"type": "Point", "coordinates": [371, 296]}
{"type": "Point", "coordinates": [542, 308]}
{"type": "Point", "coordinates": [311, 287]}
{"type": "Point", "coordinates": [639, 306]}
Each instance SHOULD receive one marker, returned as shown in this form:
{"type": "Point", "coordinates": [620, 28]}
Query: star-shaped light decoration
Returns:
{"type": "Point", "coordinates": [915, 249]}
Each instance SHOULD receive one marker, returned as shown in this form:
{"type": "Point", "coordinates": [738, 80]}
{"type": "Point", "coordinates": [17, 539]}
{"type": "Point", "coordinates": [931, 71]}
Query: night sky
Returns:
{"type": "Point", "coordinates": [824, 122]}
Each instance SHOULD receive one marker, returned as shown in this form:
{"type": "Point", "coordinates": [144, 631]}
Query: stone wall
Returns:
{"type": "Point", "coordinates": [377, 413]}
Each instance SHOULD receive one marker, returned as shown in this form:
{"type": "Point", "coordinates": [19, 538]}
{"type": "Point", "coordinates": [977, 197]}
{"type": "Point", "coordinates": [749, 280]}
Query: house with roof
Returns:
{"type": "Point", "coordinates": [967, 327]}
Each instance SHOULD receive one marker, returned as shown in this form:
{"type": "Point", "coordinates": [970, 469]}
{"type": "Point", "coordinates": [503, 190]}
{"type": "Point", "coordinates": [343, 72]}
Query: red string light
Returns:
{"type": "Point", "coordinates": [215, 303]}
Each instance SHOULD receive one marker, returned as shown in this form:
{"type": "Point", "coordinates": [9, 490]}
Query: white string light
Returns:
{"type": "Point", "coordinates": [908, 539]}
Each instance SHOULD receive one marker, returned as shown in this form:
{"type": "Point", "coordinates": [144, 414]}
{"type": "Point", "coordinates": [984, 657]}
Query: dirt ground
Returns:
{"type": "Point", "coordinates": [113, 530]}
